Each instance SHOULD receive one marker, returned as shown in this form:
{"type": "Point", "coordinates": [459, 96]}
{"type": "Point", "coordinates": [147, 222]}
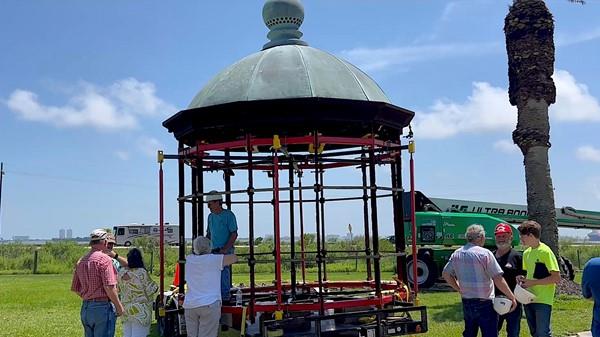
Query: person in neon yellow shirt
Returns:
{"type": "Point", "coordinates": [542, 276]}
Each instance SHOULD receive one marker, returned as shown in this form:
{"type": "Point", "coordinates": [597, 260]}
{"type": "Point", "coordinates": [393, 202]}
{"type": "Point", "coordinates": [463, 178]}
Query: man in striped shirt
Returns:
{"type": "Point", "coordinates": [472, 271]}
{"type": "Point", "coordinates": [95, 281]}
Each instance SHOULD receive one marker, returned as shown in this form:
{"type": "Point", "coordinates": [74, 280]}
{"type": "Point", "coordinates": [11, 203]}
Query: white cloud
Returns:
{"type": "Point", "coordinates": [506, 146]}
{"type": "Point", "coordinates": [373, 59]}
{"type": "Point", "coordinates": [487, 109]}
{"type": "Point", "coordinates": [114, 108]}
{"type": "Point", "coordinates": [588, 153]}
{"type": "Point", "coordinates": [595, 183]}
{"type": "Point", "coordinates": [573, 100]}
{"type": "Point", "coordinates": [563, 40]}
{"type": "Point", "coordinates": [449, 10]}
{"type": "Point", "coordinates": [149, 146]}
{"type": "Point", "coordinates": [123, 155]}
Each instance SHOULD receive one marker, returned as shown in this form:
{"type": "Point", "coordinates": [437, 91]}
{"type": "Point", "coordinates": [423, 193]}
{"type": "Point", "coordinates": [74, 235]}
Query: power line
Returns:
{"type": "Point", "coordinates": [79, 180]}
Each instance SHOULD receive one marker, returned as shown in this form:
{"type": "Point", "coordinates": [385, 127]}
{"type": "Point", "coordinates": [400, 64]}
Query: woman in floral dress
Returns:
{"type": "Point", "coordinates": [136, 290]}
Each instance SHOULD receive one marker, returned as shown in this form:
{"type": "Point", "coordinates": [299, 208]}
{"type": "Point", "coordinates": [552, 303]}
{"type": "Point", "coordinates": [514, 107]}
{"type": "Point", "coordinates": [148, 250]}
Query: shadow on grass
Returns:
{"type": "Point", "coordinates": [446, 312]}
{"type": "Point", "coordinates": [154, 330]}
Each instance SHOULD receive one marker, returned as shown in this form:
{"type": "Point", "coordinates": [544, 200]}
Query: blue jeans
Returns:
{"type": "Point", "coordinates": [538, 319]}
{"type": "Point", "coordinates": [226, 283]}
{"type": "Point", "coordinates": [513, 321]}
{"type": "Point", "coordinates": [596, 319]}
{"type": "Point", "coordinates": [98, 319]}
{"type": "Point", "coordinates": [479, 314]}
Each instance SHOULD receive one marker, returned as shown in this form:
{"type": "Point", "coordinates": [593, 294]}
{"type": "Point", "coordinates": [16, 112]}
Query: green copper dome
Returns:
{"type": "Point", "coordinates": [288, 71]}
{"type": "Point", "coordinates": [287, 68]}
{"type": "Point", "coordinates": [290, 89]}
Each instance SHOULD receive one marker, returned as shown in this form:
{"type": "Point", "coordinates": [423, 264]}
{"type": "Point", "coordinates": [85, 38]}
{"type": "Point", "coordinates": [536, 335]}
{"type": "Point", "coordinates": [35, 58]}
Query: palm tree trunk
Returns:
{"type": "Point", "coordinates": [529, 29]}
{"type": "Point", "coordinates": [540, 193]}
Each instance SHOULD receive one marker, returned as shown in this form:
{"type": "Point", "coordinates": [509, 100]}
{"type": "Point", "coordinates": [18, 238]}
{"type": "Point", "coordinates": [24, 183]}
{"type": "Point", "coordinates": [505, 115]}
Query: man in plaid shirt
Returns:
{"type": "Point", "coordinates": [95, 281]}
{"type": "Point", "coordinates": [472, 271]}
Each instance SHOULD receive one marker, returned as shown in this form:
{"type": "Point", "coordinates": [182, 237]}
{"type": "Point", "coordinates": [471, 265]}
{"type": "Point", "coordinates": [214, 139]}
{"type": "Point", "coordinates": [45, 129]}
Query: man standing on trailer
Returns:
{"type": "Point", "coordinates": [472, 271]}
{"type": "Point", "coordinates": [222, 231]}
{"type": "Point", "coordinates": [95, 281]}
{"type": "Point", "coordinates": [511, 262]}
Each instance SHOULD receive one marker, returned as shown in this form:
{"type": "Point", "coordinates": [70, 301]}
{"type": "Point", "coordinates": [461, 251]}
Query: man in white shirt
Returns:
{"type": "Point", "coordinates": [202, 302]}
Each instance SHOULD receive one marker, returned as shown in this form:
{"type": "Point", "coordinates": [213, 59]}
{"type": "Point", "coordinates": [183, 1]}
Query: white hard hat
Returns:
{"type": "Point", "coordinates": [213, 195]}
{"type": "Point", "coordinates": [523, 295]}
{"type": "Point", "coordinates": [502, 305]}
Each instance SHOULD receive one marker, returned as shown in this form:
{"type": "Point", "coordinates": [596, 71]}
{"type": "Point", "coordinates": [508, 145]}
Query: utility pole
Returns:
{"type": "Point", "coordinates": [1, 174]}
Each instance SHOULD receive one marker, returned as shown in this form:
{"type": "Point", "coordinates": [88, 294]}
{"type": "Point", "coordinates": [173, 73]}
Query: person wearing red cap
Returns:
{"type": "Point", "coordinates": [511, 262]}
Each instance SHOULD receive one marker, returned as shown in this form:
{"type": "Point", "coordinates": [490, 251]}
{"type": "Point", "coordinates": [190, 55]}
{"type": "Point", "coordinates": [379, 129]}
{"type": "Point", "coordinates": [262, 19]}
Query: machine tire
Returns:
{"type": "Point", "coordinates": [127, 243]}
{"type": "Point", "coordinates": [569, 271]}
{"type": "Point", "coordinates": [426, 271]}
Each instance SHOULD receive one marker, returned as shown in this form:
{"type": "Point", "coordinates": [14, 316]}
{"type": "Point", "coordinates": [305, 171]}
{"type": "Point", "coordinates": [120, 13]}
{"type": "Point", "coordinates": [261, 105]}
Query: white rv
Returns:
{"type": "Point", "coordinates": [125, 234]}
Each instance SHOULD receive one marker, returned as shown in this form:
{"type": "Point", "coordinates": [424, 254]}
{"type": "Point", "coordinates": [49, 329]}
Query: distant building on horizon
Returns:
{"type": "Point", "coordinates": [61, 234]}
{"type": "Point", "coordinates": [21, 238]}
{"type": "Point", "coordinates": [594, 235]}
{"type": "Point", "coordinates": [69, 233]}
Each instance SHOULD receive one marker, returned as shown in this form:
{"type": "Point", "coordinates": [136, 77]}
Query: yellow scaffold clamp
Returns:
{"type": "Point", "coordinates": [276, 143]}
{"type": "Point", "coordinates": [411, 146]}
{"type": "Point", "coordinates": [160, 157]}
{"type": "Point", "coordinates": [311, 148]}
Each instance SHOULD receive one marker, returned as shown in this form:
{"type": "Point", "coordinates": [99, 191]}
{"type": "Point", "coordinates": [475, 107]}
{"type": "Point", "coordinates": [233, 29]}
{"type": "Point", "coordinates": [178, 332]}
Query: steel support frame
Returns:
{"type": "Point", "coordinates": [369, 145]}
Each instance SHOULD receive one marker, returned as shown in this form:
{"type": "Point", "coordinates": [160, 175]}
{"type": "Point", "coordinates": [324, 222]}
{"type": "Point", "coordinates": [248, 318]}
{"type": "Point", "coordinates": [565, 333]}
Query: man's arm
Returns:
{"type": "Point", "coordinates": [232, 237]}
{"type": "Point", "coordinates": [501, 284]}
{"type": "Point", "coordinates": [111, 291]}
{"type": "Point", "coordinates": [229, 259]}
{"type": "Point", "coordinates": [75, 284]}
{"type": "Point", "coordinates": [586, 288]}
{"type": "Point", "coordinates": [554, 278]}
{"type": "Point", "coordinates": [452, 282]}
{"type": "Point", "coordinates": [122, 260]}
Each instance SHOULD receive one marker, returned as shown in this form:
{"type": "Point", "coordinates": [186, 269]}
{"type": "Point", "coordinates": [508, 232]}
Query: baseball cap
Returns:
{"type": "Point", "coordinates": [110, 238]}
{"type": "Point", "coordinates": [98, 234]}
{"type": "Point", "coordinates": [213, 195]}
{"type": "Point", "coordinates": [502, 228]}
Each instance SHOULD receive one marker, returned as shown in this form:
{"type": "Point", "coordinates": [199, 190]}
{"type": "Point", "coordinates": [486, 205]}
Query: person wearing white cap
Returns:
{"type": "Point", "coordinates": [511, 262]}
{"type": "Point", "coordinates": [95, 281]}
{"type": "Point", "coordinates": [222, 231]}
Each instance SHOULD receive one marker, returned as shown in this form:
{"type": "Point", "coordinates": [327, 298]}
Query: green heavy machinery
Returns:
{"type": "Point", "coordinates": [441, 226]}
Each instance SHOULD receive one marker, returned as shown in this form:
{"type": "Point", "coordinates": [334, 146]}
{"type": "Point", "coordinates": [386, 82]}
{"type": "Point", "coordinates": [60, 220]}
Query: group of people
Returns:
{"type": "Point", "coordinates": [479, 275]}
{"type": "Point", "coordinates": [112, 286]}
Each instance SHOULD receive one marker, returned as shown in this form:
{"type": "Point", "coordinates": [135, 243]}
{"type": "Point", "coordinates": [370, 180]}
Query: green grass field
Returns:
{"type": "Point", "coordinates": [42, 305]}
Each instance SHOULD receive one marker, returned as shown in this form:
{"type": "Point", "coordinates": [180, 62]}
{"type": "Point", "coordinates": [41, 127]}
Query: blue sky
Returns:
{"type": "Point", "coordinates": [85, 86]}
